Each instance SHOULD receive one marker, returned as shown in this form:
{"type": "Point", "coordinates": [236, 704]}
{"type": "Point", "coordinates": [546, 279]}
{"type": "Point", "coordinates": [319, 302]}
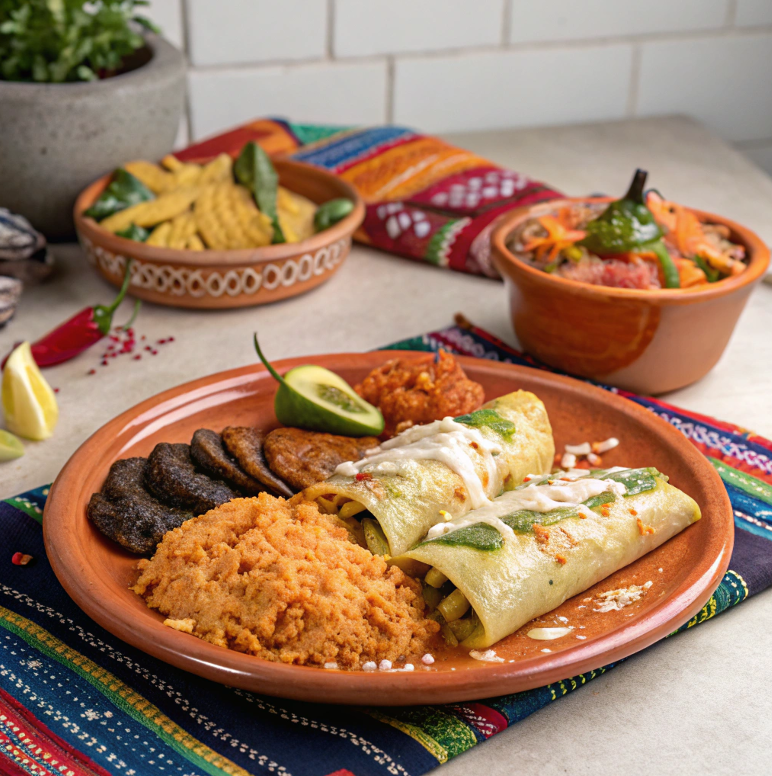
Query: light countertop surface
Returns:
{"type": "Point", "coordinates": [697, 703]}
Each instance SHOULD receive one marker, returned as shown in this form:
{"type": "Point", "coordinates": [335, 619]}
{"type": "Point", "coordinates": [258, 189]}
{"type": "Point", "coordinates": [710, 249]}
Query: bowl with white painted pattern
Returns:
{"type": "Point", "coordinates": [223, 279]}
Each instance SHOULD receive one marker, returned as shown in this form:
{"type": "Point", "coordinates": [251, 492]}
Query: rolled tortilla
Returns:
{"type": "Point", "coordinates": [408, 491]}
{"type": "Point", "coordinates": [511, 576]}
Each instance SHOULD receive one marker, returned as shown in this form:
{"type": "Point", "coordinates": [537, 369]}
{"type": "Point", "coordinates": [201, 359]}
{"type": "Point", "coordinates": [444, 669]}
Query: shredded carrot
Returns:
{"type": "Point", "coordinates": [558, 237]}
{"type": "Point", "coordinates": [644, 529]}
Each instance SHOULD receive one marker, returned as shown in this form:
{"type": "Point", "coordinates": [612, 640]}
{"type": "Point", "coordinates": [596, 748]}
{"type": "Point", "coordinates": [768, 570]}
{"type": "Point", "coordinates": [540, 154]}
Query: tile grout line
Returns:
{"type": "Point", "coordinates": [390, 85]}
{"type": "Point", "coordinates": [520, 47]}
{"type": "Point", "coordinates": [184, 17]}
{"type": "Point", "coordinates": [731, 14]}
{"type": "Point", "coordinates": [635, 78]}
{"type": "Point", "coordinates": [506, 22]}
{"type": "Point", "coordinates": [330, 37]}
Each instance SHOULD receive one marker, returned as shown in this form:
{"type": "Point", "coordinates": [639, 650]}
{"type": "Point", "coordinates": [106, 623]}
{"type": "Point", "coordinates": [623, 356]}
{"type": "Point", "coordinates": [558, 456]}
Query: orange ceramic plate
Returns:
{"type": "Point", "coordinates": [684, 571]}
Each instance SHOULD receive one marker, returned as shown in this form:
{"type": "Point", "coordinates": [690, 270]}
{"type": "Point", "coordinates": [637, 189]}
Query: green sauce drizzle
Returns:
{"type": "Point", "coordinates": [488, 419]}
{"type": "Point", "coordinates": [482, 536]}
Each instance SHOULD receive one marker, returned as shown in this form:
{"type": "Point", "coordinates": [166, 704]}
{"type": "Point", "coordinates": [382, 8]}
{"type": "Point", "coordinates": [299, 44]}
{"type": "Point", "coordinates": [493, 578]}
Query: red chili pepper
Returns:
{"type": "Point", "coordinates": [81, 331]}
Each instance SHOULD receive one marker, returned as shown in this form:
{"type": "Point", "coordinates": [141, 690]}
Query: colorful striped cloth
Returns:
{"type": "Point", "coordinates": [74, 700]}
{"type": "Point", "coordinates": [425, 199]}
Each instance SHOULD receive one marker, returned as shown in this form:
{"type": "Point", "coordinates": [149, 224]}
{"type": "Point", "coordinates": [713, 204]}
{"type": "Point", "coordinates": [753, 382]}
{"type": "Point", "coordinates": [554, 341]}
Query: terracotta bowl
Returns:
{"type": "Point", "coordinates": [648, 342]}
{"type": "Point", "coordinates": [684, 571]}
{"type": "Point", "coordinates": [216, 279]}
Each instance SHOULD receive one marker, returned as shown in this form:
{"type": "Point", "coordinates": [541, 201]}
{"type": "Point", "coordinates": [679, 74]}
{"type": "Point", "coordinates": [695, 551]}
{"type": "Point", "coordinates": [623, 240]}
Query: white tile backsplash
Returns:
{"type": "Point", "coordinates": [332, 93]}
{"type": "Point", "coordinates": [167, 14]}
{"type": "Point", "coordinates": [723, 81]}
{"type": "Point", "coordinates": [753, 12]}
{"type": "Point", "coordinates": [537, 20]}
{"type": "Point", "coordinates": [398, 26]}
{"type": "Point", "coordinates": [444, 65]}
{"type": "Point", "coordinates": [246, 31]}
{"type": "Point", "coordinates": [507, 89]}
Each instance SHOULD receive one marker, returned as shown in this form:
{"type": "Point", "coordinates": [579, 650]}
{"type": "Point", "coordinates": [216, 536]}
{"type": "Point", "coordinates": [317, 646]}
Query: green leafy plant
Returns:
{"type": "Point", "coordinates": [54, 41]}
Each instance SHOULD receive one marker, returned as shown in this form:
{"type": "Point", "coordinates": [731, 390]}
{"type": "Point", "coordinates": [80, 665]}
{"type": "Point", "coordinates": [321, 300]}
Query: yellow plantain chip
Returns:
{"type": "Point", "coordinates": [286, 199]}
{"type": "Point", "coordinates": [172, 162]}
{"type": "Point", "coordinates": [183, 228]}
{"type": "Point", "coordinates": [219, 169]}
{"type": "Point", "coordinates": [155, 178]}
{"type": "Point", "coordinates": [187, 175]}
{"type": "Point", "coordinates": [296, 215]}
{"type": "Point", "coordinates": [195, 243]}
{"type": "Point", "coordinates": [160, 235]}
{"type": "Point", "coordinates": [153, 212]}
{"type": "Point", "coordinates": [257, 225]}
{"type": "Point", "coordinates": [207, 222]}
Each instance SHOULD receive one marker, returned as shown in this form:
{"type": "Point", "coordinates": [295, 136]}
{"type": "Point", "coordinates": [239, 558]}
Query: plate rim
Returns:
{"type": "Point", "coordinates": [306, 683]}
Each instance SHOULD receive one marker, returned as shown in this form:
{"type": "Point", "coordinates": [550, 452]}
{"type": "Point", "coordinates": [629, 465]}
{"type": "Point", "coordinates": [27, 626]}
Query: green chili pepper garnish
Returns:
{"type": "Point", "coordinates": [628, 225]}
{"type": "Point", "coordinates": [330, 212]}
{"type": "Point", "coordinates": [711, 274]}
{"type": "Point", "coordinates": [255, 170]}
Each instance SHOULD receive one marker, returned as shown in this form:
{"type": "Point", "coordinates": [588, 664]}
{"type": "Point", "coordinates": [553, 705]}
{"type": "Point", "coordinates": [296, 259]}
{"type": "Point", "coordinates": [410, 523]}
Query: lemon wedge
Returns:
{"type": "Point", "coordinates": [28, 401]}
{"type": "Point", "coordinates": [10, 446]}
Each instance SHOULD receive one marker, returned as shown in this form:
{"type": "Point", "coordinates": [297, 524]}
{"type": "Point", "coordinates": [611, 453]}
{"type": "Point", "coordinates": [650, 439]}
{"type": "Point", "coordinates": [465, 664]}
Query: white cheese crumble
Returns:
{"type": "Point", "coordinates": [427, 659]}
{"type": "Point", "coordinates": [568, 461]}
{"type": "Point", "coordinates": [614, 600]}
{"type": "Point", "coordinates": [547, 634]}
{"type": "Point", "coordinates": [582, 449]}
{"type": "Point", "coordinates": [330, 665]}
{"type": "Point", "coordinates": [488, 656]}
{"type": "Point", "coordinates": [546, 650]}
{"type": "Point", "coordinates": [605, 445]}
{"type": "Point", "coordinates": [385, 665]}
{"type": "Point", "coordinates": [370, 665]}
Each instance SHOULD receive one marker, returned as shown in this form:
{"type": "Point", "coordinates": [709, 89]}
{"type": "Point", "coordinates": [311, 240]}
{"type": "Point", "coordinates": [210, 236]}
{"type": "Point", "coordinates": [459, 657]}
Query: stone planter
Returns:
{"type": "Point", "coordinates": [55, 139]}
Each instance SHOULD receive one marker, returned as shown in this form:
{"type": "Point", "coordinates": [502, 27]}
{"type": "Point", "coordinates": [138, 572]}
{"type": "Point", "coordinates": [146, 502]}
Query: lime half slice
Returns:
{"type": "Point", "coordinates": [10, 446]}
{"type": "Point", "coordinates": [317, 399]}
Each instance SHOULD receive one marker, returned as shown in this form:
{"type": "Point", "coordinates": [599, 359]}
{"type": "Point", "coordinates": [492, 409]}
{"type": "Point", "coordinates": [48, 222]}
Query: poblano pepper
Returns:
{"type": "Point", "coordinates": [628, 225]}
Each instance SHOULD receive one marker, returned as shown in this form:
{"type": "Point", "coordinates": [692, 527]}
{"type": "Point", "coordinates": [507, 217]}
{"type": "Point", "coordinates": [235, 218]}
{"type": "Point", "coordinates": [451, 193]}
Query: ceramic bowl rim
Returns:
{"type": "Point", "coordinates": [511, 267]}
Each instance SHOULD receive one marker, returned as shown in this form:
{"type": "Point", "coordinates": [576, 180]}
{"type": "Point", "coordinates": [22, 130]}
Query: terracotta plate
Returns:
{"type": "Point", "coordinates": [684, 571]}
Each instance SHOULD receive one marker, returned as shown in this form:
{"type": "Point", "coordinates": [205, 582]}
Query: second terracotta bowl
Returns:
{"type": "Point", "coordinates": [218, 279]}
{"type": "Point", "coordinates": [648, 342]}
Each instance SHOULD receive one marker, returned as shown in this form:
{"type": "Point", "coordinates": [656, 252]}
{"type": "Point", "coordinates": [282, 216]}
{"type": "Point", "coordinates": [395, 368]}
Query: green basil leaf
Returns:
{"type": "Point", "coordinates": [134, 232]}
{"type": "Point", "coordinates": [124, 191]}
{"type": "Point", "coordinates": [255, 170]}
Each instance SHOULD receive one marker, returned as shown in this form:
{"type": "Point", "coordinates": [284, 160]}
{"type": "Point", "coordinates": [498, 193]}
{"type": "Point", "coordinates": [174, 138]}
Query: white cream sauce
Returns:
{"type": "Point", "coordinates": [536, 497]}
{"type": "Point", "coordinates": [458, 446]}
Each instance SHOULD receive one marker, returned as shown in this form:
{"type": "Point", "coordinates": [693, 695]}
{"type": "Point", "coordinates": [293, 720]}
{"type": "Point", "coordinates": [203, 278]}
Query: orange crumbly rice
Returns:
{"type": "Point", "coordinates": [413, 391]}
{"type": "Point", "coordinates": [280, 580]}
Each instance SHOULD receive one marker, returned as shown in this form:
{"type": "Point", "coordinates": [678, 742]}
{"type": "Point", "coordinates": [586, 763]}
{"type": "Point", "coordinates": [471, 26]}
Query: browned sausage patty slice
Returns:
{"type": "Point", "coordinates": [126, 513]}
{"type": "Point", "coordinates": [246, 446]}
{"type": "Point", "coordinates": [206, 449]}
{"type": "Point", "coordinates": [172, 477]}
{"type": "Point", "coordinates": [303, 458]}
